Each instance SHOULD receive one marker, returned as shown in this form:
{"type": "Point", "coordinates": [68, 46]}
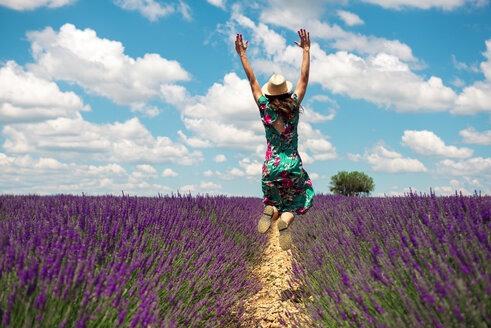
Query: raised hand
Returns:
{"type": "Point", "coordinates": [240, 46]}
{"type": "Point", "coordinates": [304, 40]}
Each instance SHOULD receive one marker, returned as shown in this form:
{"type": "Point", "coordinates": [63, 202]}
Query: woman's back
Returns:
{"type": "Point", "coordinates": [281, 130]}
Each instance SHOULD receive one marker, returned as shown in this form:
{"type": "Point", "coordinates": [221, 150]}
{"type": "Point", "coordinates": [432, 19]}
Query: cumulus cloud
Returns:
{"type": "Point", "coordinates": [205, 187]}
{"type": "Point", "coordinates": [25, 97]}
{"type": "Point", "coordinates": [308, 13]}
{"type": "Point", "coordinates": [453, 187]}
{"type": "Point", "coordinates": [388, 161]}
{"type": "Point", "coordinates": [426, 4]}
{"type": "Point", "coordinates": [383, 77]}
{"type": "Point", "coordinates": [477, 97]}
{"type": "Point", "coordinates": [100, 66]}
{"type": "Point", "coordinates": [77, 139]}
{"type": "Point", "coordinates": [252, 168]}
{"type": "Point", "coordinates": [463, 66]}
{"type": "Point", "coordinates": [220, 158]}
{"type": "Point", "coordinates": [226, 116]}
{"type": "Point", "coordinates": [153, 10]}
{"type": "Point", "coordinates": [427, 143]}
{"type": "Point", "coordinates": [350, 18]}
{"type": "Point", "coordinates": [209, 185]}
{"type": "Point", "coordinates": [471, 136]}
{"type": "Point", "coordinates": [218, 3]}
{"type": "Point", "coordinates": [33, 4]}
{"type": "Point", "coordinates": [194, 141]}
{"type": "Point", "coordinates": [168, 172]}
{"type": "Point", "coordinates": [143, 172]}
{"type": "Point", "coordinates": [45, 175]}
{"type": "Point", "coordinates": [472, 167]}
{"type": "Point", "coordinates": [228, 174]}
{"type": "Point", "coordinates": [313, 145]}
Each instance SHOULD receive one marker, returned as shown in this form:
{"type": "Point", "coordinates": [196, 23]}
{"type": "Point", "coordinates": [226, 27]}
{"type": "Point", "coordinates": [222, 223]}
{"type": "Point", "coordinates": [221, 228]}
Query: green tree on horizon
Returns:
{"type": "Point", "coordinates": [351, 184]}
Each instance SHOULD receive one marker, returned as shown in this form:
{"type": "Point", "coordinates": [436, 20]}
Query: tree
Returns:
{"type": "Point", "coordinates": [351, 184]}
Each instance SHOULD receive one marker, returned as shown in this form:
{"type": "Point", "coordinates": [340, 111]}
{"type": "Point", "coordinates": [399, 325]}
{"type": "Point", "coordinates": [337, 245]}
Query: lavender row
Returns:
{"type": "Point", "coordinates": [71, 261]}
{"type": "Point", "coordinates": [413, 261]}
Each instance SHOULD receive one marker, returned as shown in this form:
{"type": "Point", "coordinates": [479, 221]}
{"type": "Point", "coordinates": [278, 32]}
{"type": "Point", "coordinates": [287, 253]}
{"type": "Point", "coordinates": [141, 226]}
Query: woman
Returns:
{"type": "Point", "coordinates": [286, 186]}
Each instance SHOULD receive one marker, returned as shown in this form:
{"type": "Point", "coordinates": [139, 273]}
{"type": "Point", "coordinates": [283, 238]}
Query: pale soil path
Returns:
{"type": "Point", "coordinates": [277, 301]}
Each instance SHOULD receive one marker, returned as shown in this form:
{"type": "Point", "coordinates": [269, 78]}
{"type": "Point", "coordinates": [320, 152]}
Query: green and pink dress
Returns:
{"type": "Point", "coordinates": [286, 185]}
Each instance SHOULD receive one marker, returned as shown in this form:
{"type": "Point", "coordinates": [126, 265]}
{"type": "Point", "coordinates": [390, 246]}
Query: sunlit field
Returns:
{"type": "Point", "coordinates": [182, 261]}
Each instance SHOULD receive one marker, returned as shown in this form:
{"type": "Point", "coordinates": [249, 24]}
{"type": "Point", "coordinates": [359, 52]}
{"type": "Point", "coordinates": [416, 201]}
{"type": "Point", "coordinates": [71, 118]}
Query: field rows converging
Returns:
{"type": "Point", "coordinates": [182, 261]}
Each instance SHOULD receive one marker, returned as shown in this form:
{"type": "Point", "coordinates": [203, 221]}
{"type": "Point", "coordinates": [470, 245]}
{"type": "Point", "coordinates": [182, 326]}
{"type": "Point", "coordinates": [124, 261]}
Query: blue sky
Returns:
{"type": "Point", "coordinates": [149, 96]}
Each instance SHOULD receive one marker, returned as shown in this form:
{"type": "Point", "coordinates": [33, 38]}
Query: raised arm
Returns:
{"type": "Point", "coordinates": [241, 47]}
{"type": "Point", "coordinates": [304, 73]}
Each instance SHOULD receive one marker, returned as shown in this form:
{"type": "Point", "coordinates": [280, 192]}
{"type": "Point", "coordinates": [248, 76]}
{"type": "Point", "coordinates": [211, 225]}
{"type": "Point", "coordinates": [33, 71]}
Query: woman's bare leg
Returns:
{"type": "Point", "coordinates": [287, 217]}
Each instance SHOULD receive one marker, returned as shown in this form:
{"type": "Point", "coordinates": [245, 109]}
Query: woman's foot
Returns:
{"type": "Point", "coordinates": [285, 238]}
{"type": "Point", "coordinates": [265, 220]}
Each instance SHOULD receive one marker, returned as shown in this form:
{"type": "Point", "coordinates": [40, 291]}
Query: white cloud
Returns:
{"type": "Point", "coordinates": [101, 67]}
{"type": "Point", "coordinates": [187, 188]}
{"type": "Point", "coordinates": [473, 99]}
{"type": "Point", "coordinates": [147, 169]}
{"type": "Point", "coordinates": [168, 172]}
{"type": "Point", "coordinates": [184, 10]}
{"type": "Point", "coordinates": [33, 4]}
{"type": "Point", "coordinates": [235, 172]}
{"type": "Point", "coordinates": [26, 175]}
{"type": "Point", "coordinates": [457, 82]}
{"type": "Point", "coordinates": [472, 167]}
{"type": "Point", "coordinates": [427, 143]}
{"type": "Point", "coordinates": [463, 66]}
{"type": "Point", "coordinates": [321, 149]}
{"type": "Point", "coordinates": [77, 139]}
{"type": "Point", "coordinates": [350, 18]}
{"type": "Point", "coordinates": [193, 141]}
{"type": "Point", "coordinates": [471, 136]}
{"type": "Point", "coordinates": [388, 161]}
{"type": "Point", "coordinates": [383, 78]}
{"type": "Point", "coordinates": [426, 4]}
{"type": "Point", "coordinates": [27, 98]}
{"type": "Point", "coordinates": [477, 97]}
{"type": "Point", "coordinates": [309, 115]}
{"type": "Point", "coordinates": [230, 174]}
{"type": "Point", "coordinates": [373, 46]}
{"type": "Point", "coordinates": [217, 3]}
{"type": "Point", "coordinates": [151, 9]}
{"type": "Point", "coordinates": [220, 158]}
{"type": "Point", "coordinates": [453, 187]}
{"type": "Point", "coordinates": [307, 14]}
{"type": "Point", "coordinates": [209, 185]}
{"type": "Point", "coordinates": [143, 171]}
{"type": "Point", "coordinates": [253, 168]}
{"type": "Point", "coordinates": [205, 187]}
{"type": "Point", "coordinates": [226, 116]}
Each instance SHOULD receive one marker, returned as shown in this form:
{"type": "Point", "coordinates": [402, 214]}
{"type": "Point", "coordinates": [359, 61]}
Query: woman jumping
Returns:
{"type": "Point", "coordinates": [286, 185]}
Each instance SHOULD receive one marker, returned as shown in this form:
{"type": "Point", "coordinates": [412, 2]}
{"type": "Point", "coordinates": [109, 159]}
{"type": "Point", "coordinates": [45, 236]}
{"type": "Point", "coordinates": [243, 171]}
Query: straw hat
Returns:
{"type": "Point", "coordinates": [277, 85]}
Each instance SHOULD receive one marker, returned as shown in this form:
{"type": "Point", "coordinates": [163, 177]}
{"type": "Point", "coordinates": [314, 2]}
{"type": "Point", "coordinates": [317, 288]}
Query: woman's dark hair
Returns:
{"type": "Point", "coordinates": [284, 105]}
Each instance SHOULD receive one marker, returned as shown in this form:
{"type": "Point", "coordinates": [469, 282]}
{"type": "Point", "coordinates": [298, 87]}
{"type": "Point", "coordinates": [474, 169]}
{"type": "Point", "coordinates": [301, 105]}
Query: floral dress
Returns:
{"type": "Point", "coordinates": [286, 185]}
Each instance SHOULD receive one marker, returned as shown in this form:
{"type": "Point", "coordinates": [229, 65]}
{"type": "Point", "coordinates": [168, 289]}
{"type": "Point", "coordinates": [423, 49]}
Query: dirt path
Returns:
{"type": "Point", "coordinates": [277, 301]}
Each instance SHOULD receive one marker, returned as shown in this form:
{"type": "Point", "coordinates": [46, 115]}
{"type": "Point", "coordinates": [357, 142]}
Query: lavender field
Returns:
{"type": "Point", "coordinates": [125, 261]}
{"type": "Point", "coordinates": [182, 261]}
{"type": "Point", "coordinates": [414, 261]}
